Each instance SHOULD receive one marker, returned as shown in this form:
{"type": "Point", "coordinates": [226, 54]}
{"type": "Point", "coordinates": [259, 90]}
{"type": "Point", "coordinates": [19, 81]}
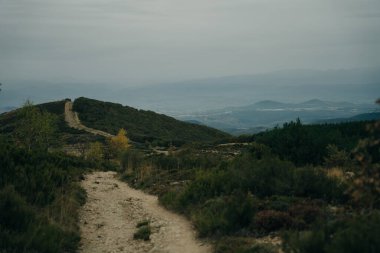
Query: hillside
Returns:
{"type": "Point", "coordinates": [64, 135]}
{"type": "Point", "coordinates": [9, 119]}
{"type": "Point", "coordinates": [142, 126]}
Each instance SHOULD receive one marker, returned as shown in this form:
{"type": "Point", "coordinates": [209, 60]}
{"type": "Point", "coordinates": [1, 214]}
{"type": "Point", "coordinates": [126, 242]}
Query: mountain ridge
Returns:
{"type": "Point", "coordinates": [269, 113]}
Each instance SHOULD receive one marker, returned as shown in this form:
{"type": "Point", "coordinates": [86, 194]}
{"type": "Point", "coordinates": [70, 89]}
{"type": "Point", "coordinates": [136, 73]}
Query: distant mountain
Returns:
{"type": "Point", "coordinates": [366, 117]}
{"type": "Point", "coordinates": [267, 104]}
{"type": "Point", "coordinates": [197, 95]}
{"type": "Point", "coordinates": [360, 85]}
{"type": "Point", "coordinates": [360, 117]}
{"type": "Point", "coordinates": [268, 113]}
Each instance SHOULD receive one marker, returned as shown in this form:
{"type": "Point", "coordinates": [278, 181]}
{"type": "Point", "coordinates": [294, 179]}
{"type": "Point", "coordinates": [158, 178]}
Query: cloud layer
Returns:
{"type": "Point", "coordinates": [133, 42]}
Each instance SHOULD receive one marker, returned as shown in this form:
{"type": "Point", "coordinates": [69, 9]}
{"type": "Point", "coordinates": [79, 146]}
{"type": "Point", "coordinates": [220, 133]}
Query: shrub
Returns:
{"type": "Point", "coordinates": [143, 233]}
{"type": "Point", "coordinates": [314, 183]}
{"type": "Point", "coordinates": [357, 234]}
{"type": "Point", "coordinates": [260, 248]}
{"type": "Point", "coordinates": [15, 214]}
{"type": "Point", "coordinates": [308, 211]}
{"type": "Point", "coordinates": [207, 185]}
{"type": "Point", "coordinates": [170, 200]}
{"type": "Point", "coordinates": [278, 203]}
{"type": "Point", "coordinates": [224, 215]}
{"type": "Point", "coordinates": [23, 230]}
{"type": "Point", "coordinates": [38, 200]}
{"type": "Point", "coordinates": [270, 220]}
{"type": "Point", "coordinates": [242, 245]}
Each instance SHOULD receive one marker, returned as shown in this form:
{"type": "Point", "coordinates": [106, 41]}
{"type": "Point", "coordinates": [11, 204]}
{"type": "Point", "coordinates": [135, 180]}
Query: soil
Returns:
{"type": "Point", "coordinates": [113, 209]}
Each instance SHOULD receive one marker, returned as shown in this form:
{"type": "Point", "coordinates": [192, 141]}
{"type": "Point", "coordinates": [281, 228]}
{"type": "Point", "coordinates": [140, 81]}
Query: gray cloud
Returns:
{"type": "Point", "coordinates": [131, 42]}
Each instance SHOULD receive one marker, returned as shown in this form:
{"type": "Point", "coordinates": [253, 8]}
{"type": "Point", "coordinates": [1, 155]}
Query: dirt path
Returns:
{"type": "Point", "coordinates": [73, 121]}
{"type": "Point", "coordinates": [108, 220]}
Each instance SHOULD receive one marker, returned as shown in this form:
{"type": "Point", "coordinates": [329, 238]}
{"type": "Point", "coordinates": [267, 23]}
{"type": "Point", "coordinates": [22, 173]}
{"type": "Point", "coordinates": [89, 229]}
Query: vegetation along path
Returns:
{"type": "Point", "coordinates": [108, 220]}
{"type": "Point", "coordinates": [73, 121]}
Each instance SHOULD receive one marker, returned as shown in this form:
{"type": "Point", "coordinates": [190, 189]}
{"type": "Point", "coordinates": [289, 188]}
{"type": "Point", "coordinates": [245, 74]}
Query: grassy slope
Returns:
{"type": "Point", "coordinates": [142, 125]}
{"type": "Point", "coordinates": [67, 135]}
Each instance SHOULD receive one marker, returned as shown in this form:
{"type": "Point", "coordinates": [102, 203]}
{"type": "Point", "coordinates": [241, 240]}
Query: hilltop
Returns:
{"type": "Point", "coordinates": [141, 125]}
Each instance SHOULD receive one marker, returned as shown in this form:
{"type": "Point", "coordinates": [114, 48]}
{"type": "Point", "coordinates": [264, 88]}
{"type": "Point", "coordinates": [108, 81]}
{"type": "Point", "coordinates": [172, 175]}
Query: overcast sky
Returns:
{"type": "Point", "coordinates": [135, 42]}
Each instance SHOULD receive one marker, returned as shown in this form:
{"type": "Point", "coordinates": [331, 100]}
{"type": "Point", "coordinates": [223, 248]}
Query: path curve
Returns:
{"type": "Point", "coordinates": [109, 217]}
{"type": "Point", "coordinates": [72, 119]}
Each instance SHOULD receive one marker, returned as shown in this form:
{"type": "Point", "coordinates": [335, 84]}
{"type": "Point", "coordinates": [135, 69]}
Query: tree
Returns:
{"type": "Point", "coordinates": [336, 157]}
{"type": "Point", "coordinates": [119, 143]}
{"type": "Point", "coordinates": [35, 128]}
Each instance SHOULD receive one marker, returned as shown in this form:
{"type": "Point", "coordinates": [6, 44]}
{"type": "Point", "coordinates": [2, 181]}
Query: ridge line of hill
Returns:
{"type": "Point", "coordinates": [72, 119]}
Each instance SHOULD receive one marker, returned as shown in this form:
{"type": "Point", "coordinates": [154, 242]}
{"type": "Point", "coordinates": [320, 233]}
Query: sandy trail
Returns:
{"type": "Point", "coordinates": [109, 217]}
{"type": "Point", "coordinates": [73, 121]}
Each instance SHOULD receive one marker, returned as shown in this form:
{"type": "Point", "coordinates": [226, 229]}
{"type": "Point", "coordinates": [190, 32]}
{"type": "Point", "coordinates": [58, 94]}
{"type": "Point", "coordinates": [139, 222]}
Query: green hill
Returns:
{"type": "Point", "coordinates": [142, 126]}
{"type": "Point", "coordinates": [64, 134]}
{"type": "Point", "coordinates": [9, 119]}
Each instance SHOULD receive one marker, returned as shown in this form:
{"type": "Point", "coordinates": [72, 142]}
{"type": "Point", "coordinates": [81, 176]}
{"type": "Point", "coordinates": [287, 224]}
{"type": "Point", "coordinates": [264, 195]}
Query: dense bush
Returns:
{"type": "Point", "coordinates": [270, 220]}
{"type": "Point", "coordinates": [39, 200]}
{"type": "Point", "coordinates": [306, 144]}
{"type": "Point", "coordinates": [22, 229]}
{"type": "Point", "coordinates": [351, 235]}
{"type": "Point", "coordinates": [224, 215]}
{"type": "Point", "coordinates": [285, 196]}
{"type": "Point", "coordinates": [243, 245]}
{"type": "Point", "coordinates": [314, 183]}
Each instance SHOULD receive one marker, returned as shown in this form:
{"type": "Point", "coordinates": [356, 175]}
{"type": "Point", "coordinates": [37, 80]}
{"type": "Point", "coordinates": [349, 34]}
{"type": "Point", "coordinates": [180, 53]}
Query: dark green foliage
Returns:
{"type": "Point", "coordinates": [142, 126]}
{"type": "Point", "coordinates": [270, 220]}
{"type": "Point", "coordinates": [358, 234]}
{"type": "Point", "coordinates": [306, 212]}
{"type": "Point", "coordinates": [207, 185]}
{"type": "Point", "coordinates": [143, 233]}
{"type": "Point", "coordinates": [314, 183]}
{"type": "Point", "coordinates": [260, 248]}
{"type": "Point", "coordinates": [9, 120]}
{"type": "Point", "coordinates": [283, 195]}
{"type": "Point", "coordinates": [15, 214]}
{"type": "Point", "coordinates": [177, 168]}
{"type": "Point", "coordinates": [242, 245]}
{"type": "Point", "coordinates": [22, 229]}
{"type": "Point", "coordinates": [56, 107]}
{"type": "Point", "coordinates": [39, 200]}
{"type": "Point", "coordinates": [260, 192]}
{"type": "Point", "coordinates": [36, 175]}
{"type": "Point", "coordinates": [63, 134]}
{"type": "Point", "coordinates": [306, 144]}
{"type": "Point", "coordinates": [224, 215]}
